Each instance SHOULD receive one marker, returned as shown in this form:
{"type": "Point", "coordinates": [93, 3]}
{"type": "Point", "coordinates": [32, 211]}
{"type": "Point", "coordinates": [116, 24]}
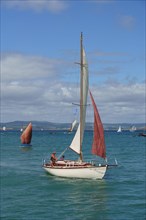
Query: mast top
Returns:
{"type": "Point", "coordinates": [81, 36]}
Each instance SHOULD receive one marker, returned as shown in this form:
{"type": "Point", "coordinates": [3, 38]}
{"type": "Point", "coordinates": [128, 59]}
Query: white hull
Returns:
{"type": "Point", "coordinates": [92, 172]}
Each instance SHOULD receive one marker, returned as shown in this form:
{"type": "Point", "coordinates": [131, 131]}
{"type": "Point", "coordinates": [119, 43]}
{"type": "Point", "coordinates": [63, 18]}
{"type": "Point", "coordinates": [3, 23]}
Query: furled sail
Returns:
{"type": "Point", "coordinates": [27, 135]}
{"type": "Point", "coordinates": [98, 146]}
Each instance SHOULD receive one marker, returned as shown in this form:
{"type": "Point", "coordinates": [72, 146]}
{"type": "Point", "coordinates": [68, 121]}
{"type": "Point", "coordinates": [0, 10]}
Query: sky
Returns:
{"type": "Point", "coordinates": [40, 43]}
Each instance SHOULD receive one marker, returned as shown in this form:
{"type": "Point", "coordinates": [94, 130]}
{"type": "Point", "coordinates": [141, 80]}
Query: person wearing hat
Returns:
{"type": "Point", "coordinates": [53, 158]}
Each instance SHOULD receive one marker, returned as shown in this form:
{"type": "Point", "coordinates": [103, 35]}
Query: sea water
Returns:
{"type": "Point", "coordinates": [28, 193]}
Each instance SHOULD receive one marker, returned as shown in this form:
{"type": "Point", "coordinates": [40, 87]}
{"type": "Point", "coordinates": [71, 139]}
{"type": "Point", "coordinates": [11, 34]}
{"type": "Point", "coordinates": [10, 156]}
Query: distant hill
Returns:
{"type": "Point", "coordinates": [38, 125]}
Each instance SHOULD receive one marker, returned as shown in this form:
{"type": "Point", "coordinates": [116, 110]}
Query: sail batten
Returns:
{"type": "Point", "coordinates": [98, 146]}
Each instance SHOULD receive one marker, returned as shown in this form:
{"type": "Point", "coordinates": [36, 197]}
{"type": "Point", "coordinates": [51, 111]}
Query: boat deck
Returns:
{"type": "Point", "coordinates": [71, 164]}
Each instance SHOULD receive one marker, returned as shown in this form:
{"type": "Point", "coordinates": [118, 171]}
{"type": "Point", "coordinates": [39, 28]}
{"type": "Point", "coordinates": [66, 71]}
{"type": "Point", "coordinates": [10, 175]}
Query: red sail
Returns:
{"type": "Point", "coordinates": [27, 135]}
{"type": "Point", "coordinates": [98, 146]}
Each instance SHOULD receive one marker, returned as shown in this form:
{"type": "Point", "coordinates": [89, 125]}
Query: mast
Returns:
{"type": "Point", "coordinates": [77, 141]}
{"type": "Point", "coordinates": [81, 94]}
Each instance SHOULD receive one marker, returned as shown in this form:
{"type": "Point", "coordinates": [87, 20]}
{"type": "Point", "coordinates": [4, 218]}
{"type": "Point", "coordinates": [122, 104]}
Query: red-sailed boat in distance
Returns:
{"type": "Point", "coordinates": [26, 136]}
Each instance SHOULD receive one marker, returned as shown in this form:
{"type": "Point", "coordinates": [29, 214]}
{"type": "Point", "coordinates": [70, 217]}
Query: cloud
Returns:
{"type": "Point", "coordinates": [109, 54]}
{"type": "Point", "coordinates": [33, 88]}
{"type": "Point", "coordinates": [19, 67]}
{"type": "Point", "coordinates": [110, 70]}
{"type": "Point", "coordinates": [121, 102]}
{"type": "Point", "coordinates": [127, 22]}
{"type": "Point", "coordinates": [112, 57]}
{"type": "Point", "coordinates": [38, 5]}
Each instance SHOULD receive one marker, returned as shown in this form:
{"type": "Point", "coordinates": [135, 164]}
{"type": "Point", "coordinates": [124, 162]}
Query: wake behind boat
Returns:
{"type": "Point", "coordinates": [26, 136]}
{"type": "Point", "coordinates": [80, 168]}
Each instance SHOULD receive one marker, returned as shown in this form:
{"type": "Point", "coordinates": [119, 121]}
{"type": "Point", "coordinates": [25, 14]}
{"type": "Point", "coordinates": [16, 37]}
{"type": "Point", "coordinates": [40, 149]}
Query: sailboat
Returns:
{"type": "Point", "coordinates": [80, 168]}
{"type": "Point", "coordinates": [119, 129]}
{"type": "Point", "coordinates": [26, 136]}
{"type": "Point", "coordinates": [132, 129]}
{"type": "Point", "coordinates": [4, 128]}
{"type": "Point", "coordinates": [74, 123]}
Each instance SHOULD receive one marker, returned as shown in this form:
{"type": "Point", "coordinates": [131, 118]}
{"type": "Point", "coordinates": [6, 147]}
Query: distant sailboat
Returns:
{"type": "Point", "coordinates": [26, 136]}
{"type": "Point", "coordinates": [119, 129]}
{"type": "Point", "coordinates": [132, 129]}
{"type": "Point", "coordinates": [4, 128]}
{"type": "Point", "coordinates": [74, 123]}
{"type": "Point", "coordinates": [79, 168]}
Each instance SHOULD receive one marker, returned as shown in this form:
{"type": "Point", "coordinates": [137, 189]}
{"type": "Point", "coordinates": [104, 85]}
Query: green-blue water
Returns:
{"type": "Point", "coordinates": [28, 193]}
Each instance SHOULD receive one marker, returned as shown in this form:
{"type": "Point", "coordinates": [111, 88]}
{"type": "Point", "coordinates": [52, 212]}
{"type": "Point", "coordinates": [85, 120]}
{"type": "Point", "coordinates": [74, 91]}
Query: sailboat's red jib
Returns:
{"type": "Point", "coordinates": [98, 146]}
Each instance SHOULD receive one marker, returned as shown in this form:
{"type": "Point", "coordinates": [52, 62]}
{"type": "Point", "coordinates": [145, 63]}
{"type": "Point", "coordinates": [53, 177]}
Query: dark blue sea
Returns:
{"type": "Point", "coordinates": [28, 193]}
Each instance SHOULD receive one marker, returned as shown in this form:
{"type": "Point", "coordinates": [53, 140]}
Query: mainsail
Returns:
{"type": "Point", "coordinates": [98, 146]}
{"type": "Point", "coordinates": [27, 135]}
{"type": "Point", "coordinates": [84, 94]}
{"type": "Point", "coordinates": [76, 144]}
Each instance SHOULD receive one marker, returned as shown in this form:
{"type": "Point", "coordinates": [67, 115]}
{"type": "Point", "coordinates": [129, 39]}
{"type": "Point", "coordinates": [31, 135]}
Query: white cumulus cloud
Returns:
{"type": "Point", "coordinates": [33, 88]}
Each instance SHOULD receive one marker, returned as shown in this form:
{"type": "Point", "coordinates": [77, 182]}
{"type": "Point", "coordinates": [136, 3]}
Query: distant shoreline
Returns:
{"type": "Point", "coordinates": [66, 129]}
{"type": "Point", "coordinates": [50, 126]}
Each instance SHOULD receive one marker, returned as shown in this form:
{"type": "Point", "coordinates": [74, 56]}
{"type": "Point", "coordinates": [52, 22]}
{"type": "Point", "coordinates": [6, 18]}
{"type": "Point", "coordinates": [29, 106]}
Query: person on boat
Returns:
{"type": "Point", "coordinates": [62, 158]}
{"type": "Point", "coordinates": [53, 158]}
